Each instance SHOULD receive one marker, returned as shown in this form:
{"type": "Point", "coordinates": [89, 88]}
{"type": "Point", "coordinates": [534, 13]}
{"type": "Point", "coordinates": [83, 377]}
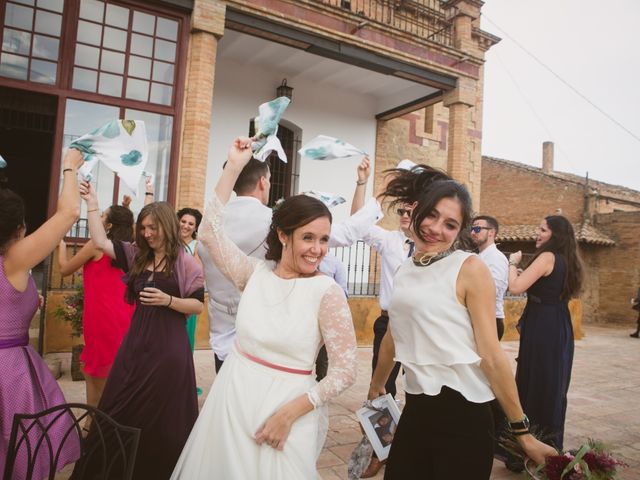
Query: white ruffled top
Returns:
{"type": "Point", "coordinates": [432, 331]}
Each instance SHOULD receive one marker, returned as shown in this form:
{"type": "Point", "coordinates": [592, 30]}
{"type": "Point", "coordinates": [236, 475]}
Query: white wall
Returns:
{"type": "Point", "coordinates": [316, 109]}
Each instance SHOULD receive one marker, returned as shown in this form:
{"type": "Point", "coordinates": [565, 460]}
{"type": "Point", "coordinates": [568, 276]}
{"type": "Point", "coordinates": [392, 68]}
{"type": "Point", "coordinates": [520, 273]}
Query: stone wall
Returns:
{"type": "Point", "coordinates": [516, 196]}
{"type": "Point", "coordinates": [618, 268]}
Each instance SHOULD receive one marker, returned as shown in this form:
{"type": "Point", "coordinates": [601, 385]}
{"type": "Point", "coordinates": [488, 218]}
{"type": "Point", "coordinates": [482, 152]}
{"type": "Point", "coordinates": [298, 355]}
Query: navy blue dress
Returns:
{"type": "Point", "coordinates": [546, 354]}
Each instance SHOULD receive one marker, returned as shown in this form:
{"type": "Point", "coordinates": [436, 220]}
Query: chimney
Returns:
{"type": "Point", "coordinates": [547, 157]}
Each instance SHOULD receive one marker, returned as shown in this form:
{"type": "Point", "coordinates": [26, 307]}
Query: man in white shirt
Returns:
{"type": "Point", "coordinates": [483, 234]}
{"type": "Point", "coordinates": [246, 222]}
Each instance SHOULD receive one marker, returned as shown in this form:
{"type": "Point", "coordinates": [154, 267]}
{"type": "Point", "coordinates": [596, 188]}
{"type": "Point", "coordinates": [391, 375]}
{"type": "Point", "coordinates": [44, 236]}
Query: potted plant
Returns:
{"type": "Point", "coordinates": [71, 311]}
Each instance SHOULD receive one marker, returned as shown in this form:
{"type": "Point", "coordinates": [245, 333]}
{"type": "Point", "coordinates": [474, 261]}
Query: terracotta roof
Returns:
{"type": "Point", "coordinates": [585, 233]}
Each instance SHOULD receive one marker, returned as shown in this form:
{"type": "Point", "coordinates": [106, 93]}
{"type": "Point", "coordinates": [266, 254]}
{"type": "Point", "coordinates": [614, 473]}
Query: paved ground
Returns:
{"type": "Point", "coordinates": [604, 401]}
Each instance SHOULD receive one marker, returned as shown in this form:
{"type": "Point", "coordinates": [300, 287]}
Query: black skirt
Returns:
{"type": "Point", "coordinates": [442, 437]}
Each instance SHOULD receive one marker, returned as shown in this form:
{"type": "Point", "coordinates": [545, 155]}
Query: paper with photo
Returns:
{"type": "Point", "coordinates": [324, 147]}
{"type": "Point", "coordinates": [329, 199]}
{"type": "Point", "coordinates": [121, 145]}
{"type": "Point", "coordinates": [266, 127]}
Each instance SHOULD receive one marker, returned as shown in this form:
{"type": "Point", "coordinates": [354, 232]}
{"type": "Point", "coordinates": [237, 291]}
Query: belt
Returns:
{"type": "Point", "coordinates": [271, 365]}
{"type": "Point", "coordinates": [543, 301]}
{"type": "Point", "coordinates": [384, 313]}
{"type": "Point", "coordinates": [15, 342]}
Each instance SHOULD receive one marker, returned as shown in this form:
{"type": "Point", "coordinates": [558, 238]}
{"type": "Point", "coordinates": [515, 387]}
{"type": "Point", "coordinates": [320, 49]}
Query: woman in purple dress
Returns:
{"type": "Point", "coordinates": [152, 384]}
{"type": "Point", "coordinates": [26, 385]}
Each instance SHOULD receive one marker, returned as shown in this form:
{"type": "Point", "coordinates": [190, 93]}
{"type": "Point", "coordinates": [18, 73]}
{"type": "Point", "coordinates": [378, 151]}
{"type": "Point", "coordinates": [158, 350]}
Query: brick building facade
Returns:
{"type": "Point", "coordinates": [606, 219]}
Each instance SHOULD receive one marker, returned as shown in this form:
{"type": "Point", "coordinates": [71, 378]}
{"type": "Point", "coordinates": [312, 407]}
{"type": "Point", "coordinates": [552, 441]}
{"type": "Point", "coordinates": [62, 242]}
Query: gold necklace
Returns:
{"type": "Point", "coordinates": [426, 259]}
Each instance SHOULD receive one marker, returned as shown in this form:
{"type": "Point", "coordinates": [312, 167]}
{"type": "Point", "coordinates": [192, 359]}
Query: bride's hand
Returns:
{"type": "Point", "coordinates": [275, 430]}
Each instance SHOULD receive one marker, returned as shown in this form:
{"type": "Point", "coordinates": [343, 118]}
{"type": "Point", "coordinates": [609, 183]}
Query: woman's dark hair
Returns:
{"type": "Point", "coordinates": [165, 218]}
{"type": "Point", "coordinates": [427, 186]}
{"type": "Point", "coordinates": [563, 242]}
{"type": "Point", "coordinates": [11, 215]}
{"type": "Point", "coordinates": [293, 213]}
{"type": "Point", "coordinates": [121, 220]}
{"type": "Point", "coordinates": [195, 214]}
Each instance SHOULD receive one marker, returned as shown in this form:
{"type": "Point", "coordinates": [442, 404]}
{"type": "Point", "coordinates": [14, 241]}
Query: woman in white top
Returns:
{"type": "Point", "coordinates": [262, 419]}
{"type": "Point", "coordinates": [443, 331]}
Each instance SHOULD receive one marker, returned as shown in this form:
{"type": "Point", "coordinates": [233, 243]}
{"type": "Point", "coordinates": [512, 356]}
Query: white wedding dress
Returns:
{"type": "Point", "coordinates": [284, 323]}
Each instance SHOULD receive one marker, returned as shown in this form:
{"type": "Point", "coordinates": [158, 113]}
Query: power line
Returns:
{"type": "Point", "coordinates": [567, 84]}
{"type": "Point", "coordinates": [533, 110]}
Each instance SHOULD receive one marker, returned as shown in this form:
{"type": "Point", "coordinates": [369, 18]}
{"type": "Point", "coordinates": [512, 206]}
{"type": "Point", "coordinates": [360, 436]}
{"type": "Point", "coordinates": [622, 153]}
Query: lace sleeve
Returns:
{"type": "Point", "coordinates": [340, 339]}
{"type": "Point", "coordinates": [230, 260]}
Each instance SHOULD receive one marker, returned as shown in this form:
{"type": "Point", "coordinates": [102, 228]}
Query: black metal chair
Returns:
{"type": "Point", "coordinates": [110, 448]}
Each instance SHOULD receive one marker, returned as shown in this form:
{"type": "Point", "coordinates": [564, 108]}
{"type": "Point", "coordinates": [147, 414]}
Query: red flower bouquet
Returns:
{"type": "Point", "coordinates": [593, 461]}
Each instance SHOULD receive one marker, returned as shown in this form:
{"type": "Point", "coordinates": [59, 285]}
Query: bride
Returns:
{"type": "Point", "coordinates": [264, 416]}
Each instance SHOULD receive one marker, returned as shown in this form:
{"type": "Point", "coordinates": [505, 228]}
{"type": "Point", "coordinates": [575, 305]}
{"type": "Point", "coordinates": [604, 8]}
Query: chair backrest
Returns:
{"type": "Point", "coordinates": [44, 442]}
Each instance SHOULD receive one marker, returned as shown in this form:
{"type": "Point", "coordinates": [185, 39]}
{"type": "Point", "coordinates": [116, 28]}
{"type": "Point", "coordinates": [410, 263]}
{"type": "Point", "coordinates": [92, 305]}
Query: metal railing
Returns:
{"type": "Point", "coordinates": [363, 270]}
{"type": "Point", "coordinates": [424, 18]}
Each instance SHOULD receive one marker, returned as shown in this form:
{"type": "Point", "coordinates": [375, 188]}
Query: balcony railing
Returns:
{"type": "Point", "coordinates": [423, 18]}
{"type": "Point", "coordinates": [363, 272]}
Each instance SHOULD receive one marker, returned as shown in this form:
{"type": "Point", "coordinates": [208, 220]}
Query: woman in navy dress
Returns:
{"type": "Point", "coordinates": [546, 335]}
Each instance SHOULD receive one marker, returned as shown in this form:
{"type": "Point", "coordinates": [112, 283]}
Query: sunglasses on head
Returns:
{"type": "Point", "coordinates": [404, 211]}
{"type": "Point", "coordinates": [479, 229]}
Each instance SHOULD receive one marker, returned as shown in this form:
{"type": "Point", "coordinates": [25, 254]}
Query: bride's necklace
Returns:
{"type": "Point", "coordinates": [426, 259]}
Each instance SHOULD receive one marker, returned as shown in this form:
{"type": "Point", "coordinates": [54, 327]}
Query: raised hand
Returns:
{"type": "Point", "coordinates": [364, 170]}
{"type": "Point", "coordinates": [88, 194]}
{"type": "Point", "coordinates": [240, 152]}
{"type": "Point", "coordinates": [73, 159]}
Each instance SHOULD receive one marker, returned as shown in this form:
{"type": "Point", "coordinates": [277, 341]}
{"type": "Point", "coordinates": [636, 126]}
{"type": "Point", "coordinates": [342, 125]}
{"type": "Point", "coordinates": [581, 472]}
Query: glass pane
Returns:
{"type": "Point", "coordinates": [87, 56]}
{"type": "Point", "coordinates": [161, 93]}
{"type": "Point", "coordinates": [18, 16]}
{"type": "Point", "coordinates": [115, 39]}
{"type": "Point", "coordinates": [55, 5]}
{"type": "Point", "coordinates": [139, 67]}
{"type": "Point", "coordinates": [137, 89]}
{"type": "Point", "coordinates": [163, 72]}
{"type": "Point", "coordinates": [26, 2]}
{"type": "Point", "coordinates": [89, 33]}
{"type": "Point", "coordinates": [167, 29]}
{"type": "Point", "coordinates": [43, 72]}
{"type": "Point", "coordinates": [117, 16]}
{"type": "Point", "coordinates": [49, 23]}
{"type": "Point", "coordinates": [81, 118]}
{"type": "Point", "coordinates": [165, 50]}
{"type": "Point", "coordinates": [45, 47]}
{"type": "Point", "coordinates": [143, 23]}
{"type": "Point", "coordinates": [112, 61]}
{"type": "Point", "coordinates": [110, 85]}
{"type": "Point", "coordinates": [16, 42]}
{"type": "Point", "coordinates": [84, 79]}
{"type": "Point", "coordinates": [141, 45]}
{"type": "Point", "coordinates": [92, 10]}
{"type": "Point", "coordinates": [159, 128]}
{"type": "Point", "coordinates": [13, 66]}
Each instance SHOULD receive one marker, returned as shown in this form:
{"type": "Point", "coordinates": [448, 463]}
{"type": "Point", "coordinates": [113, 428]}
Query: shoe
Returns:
{"type": "Point", "coordinates": [635, 335]}
{"type": "Point", "coordinates": [374, 467]}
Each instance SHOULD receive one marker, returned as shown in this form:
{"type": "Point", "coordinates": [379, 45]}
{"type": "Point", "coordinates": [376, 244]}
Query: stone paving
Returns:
{"type": "Point", "coordinates": [604, 401]}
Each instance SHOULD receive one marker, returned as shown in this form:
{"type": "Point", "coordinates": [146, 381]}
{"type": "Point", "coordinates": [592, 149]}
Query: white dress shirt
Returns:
{"type": "Point", "coordinates": [334, 268]}
{"type": "Point", "coordinates": [499, 266]}
{"type": "Point", "coordinates": [393, 247]}
{"type": "Point", "coordinates": [246, 223]}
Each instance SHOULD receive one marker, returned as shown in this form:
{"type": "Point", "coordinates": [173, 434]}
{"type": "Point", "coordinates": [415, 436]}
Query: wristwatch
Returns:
{"type": "Point", "coordinates": [519, 425]}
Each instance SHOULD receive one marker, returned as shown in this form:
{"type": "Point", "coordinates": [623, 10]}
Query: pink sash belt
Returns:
{"type": "Point", "coordinates": [272, 365]}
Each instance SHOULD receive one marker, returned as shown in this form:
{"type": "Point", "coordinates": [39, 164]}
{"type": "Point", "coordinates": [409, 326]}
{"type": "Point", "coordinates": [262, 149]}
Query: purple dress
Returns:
{"type": "Point", "coordinates": [26, 385]}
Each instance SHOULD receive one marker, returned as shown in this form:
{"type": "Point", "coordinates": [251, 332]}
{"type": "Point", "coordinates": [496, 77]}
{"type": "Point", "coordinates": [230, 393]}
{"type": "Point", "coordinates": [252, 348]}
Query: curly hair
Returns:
{"type": "Point", "coordinates": [195, 214]}
{"type": "Point", "coordinates": [293, 213]}
{"type": "Point", "coordinates": [426, 186]}
{"type": "Point", "coordinates": [11, 216]}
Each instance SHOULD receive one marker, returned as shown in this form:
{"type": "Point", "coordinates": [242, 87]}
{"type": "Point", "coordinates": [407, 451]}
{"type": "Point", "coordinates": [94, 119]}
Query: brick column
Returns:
{"type": "Point", "coordinates": [463, 158]}
{"type": "Point", "coordinates": [207, 26]}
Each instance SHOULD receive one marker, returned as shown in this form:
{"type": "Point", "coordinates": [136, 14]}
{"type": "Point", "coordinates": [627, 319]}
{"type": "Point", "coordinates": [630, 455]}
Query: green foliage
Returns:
{"type": "Point", "coordinates": [71, 310]}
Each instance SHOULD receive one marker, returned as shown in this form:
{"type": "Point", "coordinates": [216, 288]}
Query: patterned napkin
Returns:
{"type": "Point", "coordinates": [359, 459]}
{"type": "Point", "coordinates": [328, 148]}
{"type": "Point", "coordinates": [266, 125]}
{"type": "Point", "coordinates": [329, 199]}
{"type": "Point", "coordinates": [121, 145]}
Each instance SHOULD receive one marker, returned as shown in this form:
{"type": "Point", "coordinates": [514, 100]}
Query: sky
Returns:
{"type": "Point", "coordinates": [594, 46]}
